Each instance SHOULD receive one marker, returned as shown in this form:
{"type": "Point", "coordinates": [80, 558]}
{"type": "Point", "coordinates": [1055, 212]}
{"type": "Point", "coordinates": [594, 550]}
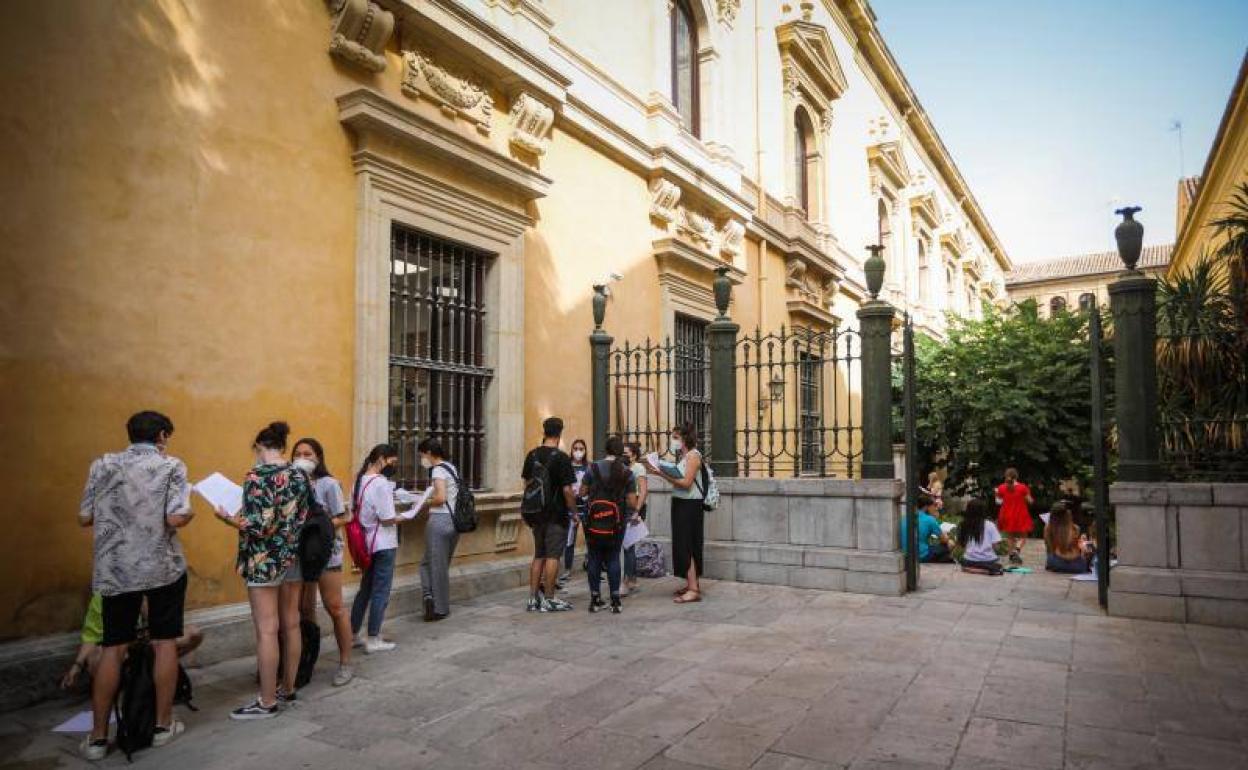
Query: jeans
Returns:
{"type": "Point", "coordinates": [374, 592]}
{"type": "Point", "coordinates": [608, 556]}
{"type": "Point", "coordinates": [630, 563]}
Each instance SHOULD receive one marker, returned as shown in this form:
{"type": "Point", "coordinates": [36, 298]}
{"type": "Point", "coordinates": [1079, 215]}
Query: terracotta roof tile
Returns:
{"type": "Point", "coordinates": [1098, 263]}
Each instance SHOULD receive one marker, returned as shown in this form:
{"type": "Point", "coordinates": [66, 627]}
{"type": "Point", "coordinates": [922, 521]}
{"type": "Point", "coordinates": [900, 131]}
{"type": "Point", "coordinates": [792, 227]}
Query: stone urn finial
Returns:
{"type": "Point", "coordinates": [600, 305]}
{"type": "Point", "coordinates": [1130, 236]}
{"type": "Point", "coordinates": [874, 269]}
{"type": "Point", "coordinates": [723, 291]}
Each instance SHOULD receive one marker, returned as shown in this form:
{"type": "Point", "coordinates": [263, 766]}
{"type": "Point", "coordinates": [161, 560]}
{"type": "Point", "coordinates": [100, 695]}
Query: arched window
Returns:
{"type": "Point", "coordinates": [802, 150]}
{"type": "Point", "coordinates": [685, 65]}
{"type": "Point", "coordinates": [1057, 305]}
{"type": "Point", "coordinates": [1087, 301]}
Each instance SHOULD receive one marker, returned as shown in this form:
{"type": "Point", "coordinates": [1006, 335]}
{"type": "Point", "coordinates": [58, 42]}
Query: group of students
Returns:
{"type": "Point", "coordinates": [136, 500]}
{"type": "Point", "coordinates": [978, 536]}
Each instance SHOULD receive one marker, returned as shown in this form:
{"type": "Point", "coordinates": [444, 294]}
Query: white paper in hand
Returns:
{"type": "Point", "coordinates": [420, 500]}
{"type": "Point", "coordinates": [1045, 518]}
{"type": "Point", "coordinates": [947, 526]}
{"type": "Point", "coordinates": [653, 459]}
{"type": "Point", "coordinates": [221, 492]}
{"type": "Point", "coordinates": [635, 533]}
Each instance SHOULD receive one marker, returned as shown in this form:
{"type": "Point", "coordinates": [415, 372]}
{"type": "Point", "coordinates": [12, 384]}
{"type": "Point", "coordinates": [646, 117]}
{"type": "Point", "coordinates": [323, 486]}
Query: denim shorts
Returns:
{"type": "Point", "coordinates": [293, 574]}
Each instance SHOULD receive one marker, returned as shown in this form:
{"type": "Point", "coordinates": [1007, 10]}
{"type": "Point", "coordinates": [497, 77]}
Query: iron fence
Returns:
{"type": "Point", "coordinates": [655, 386]}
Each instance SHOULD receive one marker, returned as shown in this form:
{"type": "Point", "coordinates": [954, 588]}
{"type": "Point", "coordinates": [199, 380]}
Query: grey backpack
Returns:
{"type": "Point", "coordinates": [650, 560]}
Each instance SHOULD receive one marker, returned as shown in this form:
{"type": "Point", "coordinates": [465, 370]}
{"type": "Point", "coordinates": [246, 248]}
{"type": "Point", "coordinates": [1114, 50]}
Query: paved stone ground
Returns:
{"type": "Point", "coordinates": [972, 672]}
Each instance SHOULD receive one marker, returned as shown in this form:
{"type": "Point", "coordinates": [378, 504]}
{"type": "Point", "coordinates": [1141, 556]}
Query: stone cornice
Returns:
{"type": "Point", "coordinates": [367, 112]}
{"type": "Point", "coordinates": [809, 63]}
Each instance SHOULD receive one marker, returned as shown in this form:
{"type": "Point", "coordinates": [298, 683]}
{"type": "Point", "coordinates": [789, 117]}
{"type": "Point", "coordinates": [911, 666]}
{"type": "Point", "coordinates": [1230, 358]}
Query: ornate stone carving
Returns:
{"type": "Point", "coordinates": [727, 11]}
{"type": "Point", "coordinates": [731, 238]}
{"type": "Point", "coordinates": [697, 227]}
{"type": "Point", "coordinates": [664, 196]}
{"type": "Point", "coordinates": [457, 95]}
{"type": "Point", "coordinates": [795, 274]}
{"type": "Point", "coordinates": [530, 121]}
{"type": "Point", "coordinates": [506, 531]}
{"type": "Point", "coordinates": [360, 33]}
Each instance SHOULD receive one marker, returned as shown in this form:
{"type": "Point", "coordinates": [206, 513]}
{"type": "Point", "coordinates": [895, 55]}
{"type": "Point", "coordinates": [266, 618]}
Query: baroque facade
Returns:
{"type": "Point", "coordinates": [380, 219]}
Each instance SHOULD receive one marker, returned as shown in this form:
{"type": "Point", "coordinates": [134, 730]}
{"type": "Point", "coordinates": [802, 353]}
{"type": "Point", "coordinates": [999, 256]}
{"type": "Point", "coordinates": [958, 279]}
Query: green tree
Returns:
{"type": "Point", "coordinates": [1008, 390]}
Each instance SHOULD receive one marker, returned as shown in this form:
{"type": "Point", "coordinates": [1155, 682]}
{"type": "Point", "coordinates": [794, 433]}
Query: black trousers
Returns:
{"type": "Point", "coordinates": [687, 523]}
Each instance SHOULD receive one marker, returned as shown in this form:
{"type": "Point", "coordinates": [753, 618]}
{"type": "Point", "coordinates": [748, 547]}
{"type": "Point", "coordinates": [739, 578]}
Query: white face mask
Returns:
{"type": "Point", "coordinates": [578, 455]}
{"type": "Point", "coordinates": [305, 465]}
{"type": "Point", "coordinates": [426, 463]}
{"type": "Point", "coordinates": [677, 445]}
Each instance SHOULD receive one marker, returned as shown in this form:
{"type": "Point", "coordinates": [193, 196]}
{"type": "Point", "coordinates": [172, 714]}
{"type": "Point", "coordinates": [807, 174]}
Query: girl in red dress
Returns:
{"type": "Point", "coordinates": [1014, 518]}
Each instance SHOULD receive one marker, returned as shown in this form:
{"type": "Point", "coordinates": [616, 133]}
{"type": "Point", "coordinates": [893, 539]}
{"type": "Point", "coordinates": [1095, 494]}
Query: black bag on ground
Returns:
{"type": "Point", "coordinates": [308, 652]}
{"type": "Point", "coordinates": [316, 539]}
{"type": "Point", "coordinates": [464, 512]}
{"type": "Point", "coordinates": [608, 501]}
{"type": "Point", "coordinates": [135, 705]}
{"type": "Point", "coordinates": [182, 692]}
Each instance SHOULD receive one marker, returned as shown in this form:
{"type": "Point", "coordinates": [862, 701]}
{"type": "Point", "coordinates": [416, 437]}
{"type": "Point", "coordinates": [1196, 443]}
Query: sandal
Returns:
{"type": "Point", "coordinates": [697, 597]}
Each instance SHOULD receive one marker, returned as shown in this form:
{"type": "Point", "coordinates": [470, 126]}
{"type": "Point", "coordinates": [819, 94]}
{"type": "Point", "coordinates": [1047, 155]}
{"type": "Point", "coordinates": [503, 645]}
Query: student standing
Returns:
{"type": "Point", "coordinates": [978, 537]}
{"type": "Point", "coordinates": [441, 537]}
{"type": "Point", "coordinates": [136, 501]}
{"type": "Point", "coordinates": [687, 514]}
{"type": "Point", "coordinates": [632, 455]}
{"type": "Point", "coordinates": [550, 464]}
{"type": "Point", "coordinates": [374, 504]}
{"type": "Point", "coordinates": [1014, 497]}
{"type": "Point", "coordinates": [275, 503]}
{"type": "Point", "coordinates": [309, 456]}
{"type": "Point", "coordinates": [580, 464]}
{"type": "Point", "coordinates": [609, 486]}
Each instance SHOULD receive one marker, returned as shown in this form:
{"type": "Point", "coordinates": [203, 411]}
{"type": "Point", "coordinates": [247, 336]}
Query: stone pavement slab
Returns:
{"type": "Point", "coordinates": [1021, 671]}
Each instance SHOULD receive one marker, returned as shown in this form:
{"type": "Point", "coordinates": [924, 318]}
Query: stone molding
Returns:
{"type": "Point", "coordinates": [368, 112]}
{"type": "Point", "coordinates": [530, 124]}
{"type": "Point", "coordinates": [361, 29]}
{"type": "Point", "coordinates": [809, 66]}
{"type": "Point", "coordinates": [664, 197]}
{"type": "Point", "coordinates": [726, 11]}
{"type": "Point", "coordinates": [457, 95]}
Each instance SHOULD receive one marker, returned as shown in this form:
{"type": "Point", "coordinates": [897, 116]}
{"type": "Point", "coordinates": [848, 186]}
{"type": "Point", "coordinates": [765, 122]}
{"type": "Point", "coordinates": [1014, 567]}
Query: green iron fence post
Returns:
{"type": "Point", "coordinates": [600, 352]}
{"type": "Point", "coordinates": [1100, 490]}
{"type": "Point", "coordinates": [722, 339]}
{"type": "Point", "coordinates": [1133, 299]}
{"type": "Point", "coordinates": [875, 320]}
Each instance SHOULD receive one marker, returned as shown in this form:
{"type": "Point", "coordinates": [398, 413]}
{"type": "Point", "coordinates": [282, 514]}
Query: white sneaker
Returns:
{"type": "Point", "coordinates": [165, 735]}
{"type": "Point", "coordinates": [377, 644]}
{"type": "Point", "coordinates": [357, 642]}
{"type": "Point", "coordinates": [343, 675]}
{"type": "Point", "coordinates": [93, 751]}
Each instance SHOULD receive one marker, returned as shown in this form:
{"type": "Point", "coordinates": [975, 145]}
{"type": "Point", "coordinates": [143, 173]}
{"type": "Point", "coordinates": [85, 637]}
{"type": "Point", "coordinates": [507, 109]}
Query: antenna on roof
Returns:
{"type": "Point", "coordinates": [1176, 126]}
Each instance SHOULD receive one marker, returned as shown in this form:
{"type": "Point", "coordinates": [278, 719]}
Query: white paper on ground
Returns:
{"type": "Point", "coordinates": [1084, 577]}
{"type": "Point", "coordinates": [635, 533]}
{"type": "Point", "coordinates": [220, 491]}
{"type": "Point", "coordinates": [80, 723]}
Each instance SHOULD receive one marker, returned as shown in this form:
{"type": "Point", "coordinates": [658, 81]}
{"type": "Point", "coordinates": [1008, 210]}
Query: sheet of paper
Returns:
{"type": "Point", "coordinates": [653, 459]}
{"type": "Point", "coordinates": [220, 491]}
{"type": "Point", "coordinates": [947, 526]}
{"type": "Point", "coordinates": [635, 533]}
{"type": "Point", "coordinates": [411, 513]}
{"type": "Point", "coordinates": [1085, 577]}
{"type": "Point", "coordinates": [80, 723]}
{"type": "Point", "coordinates": [1045, 518]}
{"type": "Point", "coordinates": [571, 537]}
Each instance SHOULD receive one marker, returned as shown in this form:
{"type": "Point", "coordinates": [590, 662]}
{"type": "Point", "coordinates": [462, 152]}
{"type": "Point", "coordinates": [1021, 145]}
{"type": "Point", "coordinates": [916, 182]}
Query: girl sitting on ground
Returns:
{"type": "Point", "coordinates": [1067, 548]}
{"type": "Point", "coordinates": [978, 536]}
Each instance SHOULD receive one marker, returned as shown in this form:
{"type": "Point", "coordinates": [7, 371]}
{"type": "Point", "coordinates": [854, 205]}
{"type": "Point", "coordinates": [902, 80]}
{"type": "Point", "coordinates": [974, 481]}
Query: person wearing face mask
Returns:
{"type": "Point", "coordinates": [374, 505]}
{"type": "Point", "coordinates": [440, 534]}
{"type": "Point", "coordinates": [275, 503]}
{"type": "Point", "coordinates": [687, 514]}
{"type": "Point", "coordinates": [309, 457]}
{"type": "Point", "coordinates": [580, 464]}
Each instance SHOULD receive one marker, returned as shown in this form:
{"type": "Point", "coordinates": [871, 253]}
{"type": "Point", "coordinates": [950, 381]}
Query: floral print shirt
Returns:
{"type": "Point", "coordinates": [275, 503]}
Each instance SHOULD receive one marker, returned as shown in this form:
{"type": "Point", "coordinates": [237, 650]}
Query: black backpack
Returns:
{"type": "Point", "coordinates": [135, 705]}
{"type": "Point", "coordinates": [538, 495]}
{"type": "Point", "coordinates": [605, 517]}
{"type": "Point", "coordinates": [308, 652]}
{"type": "Point", "coordinates": [316, 539]}
{"type": "Point", "coordinates": [464, 512]}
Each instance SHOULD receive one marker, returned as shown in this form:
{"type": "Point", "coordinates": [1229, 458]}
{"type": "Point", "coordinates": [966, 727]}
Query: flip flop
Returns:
{"type": "Point", "coordinates": [697, 597]}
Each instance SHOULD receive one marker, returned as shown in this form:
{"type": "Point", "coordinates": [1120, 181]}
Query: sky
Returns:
{"type": "Point", "coordinates": [1059, 111]}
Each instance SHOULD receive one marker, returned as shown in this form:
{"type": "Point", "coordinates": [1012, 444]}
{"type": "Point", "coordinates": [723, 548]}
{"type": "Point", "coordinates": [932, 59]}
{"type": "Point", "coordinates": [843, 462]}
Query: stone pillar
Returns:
{"type": "Point", "coordinates": [875, 323]}
{"type": "Point", "coordinates": [600, 353]}
{"type": "Point", "coordinates": [1133, 300]}
{"type": "Point", "coordinates": [722, 337]}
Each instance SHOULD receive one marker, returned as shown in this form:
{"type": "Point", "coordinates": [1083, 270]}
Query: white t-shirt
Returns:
{"type": "Point", "coordinates": [981, 550]}
{"type": "Point", "coordinates": [377, 504]}
{"type": "Point", "coordinates": [440, 471]}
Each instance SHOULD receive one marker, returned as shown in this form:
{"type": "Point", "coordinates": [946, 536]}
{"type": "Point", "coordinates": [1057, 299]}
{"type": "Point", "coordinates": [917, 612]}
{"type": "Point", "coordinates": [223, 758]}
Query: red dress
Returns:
{"type": "Point", "coordinates": [1014, 516]}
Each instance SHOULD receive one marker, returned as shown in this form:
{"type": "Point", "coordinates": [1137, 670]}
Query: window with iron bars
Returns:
{"type": "Point", "coordinates": [810, 408]}
{"type": "Point", "coordinates": [692, 391]}
{"type": "Point", "coordinates": [438, 371]}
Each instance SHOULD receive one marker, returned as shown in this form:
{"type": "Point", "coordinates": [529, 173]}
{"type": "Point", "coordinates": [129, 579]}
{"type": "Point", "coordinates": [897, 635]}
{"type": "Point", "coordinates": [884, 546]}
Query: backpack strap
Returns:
{"type": "Point", "coordinates": [358, 502]}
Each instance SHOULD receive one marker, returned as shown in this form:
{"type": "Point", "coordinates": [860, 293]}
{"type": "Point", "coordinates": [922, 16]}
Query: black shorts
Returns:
{"type": "Point", "coordinates": [549, 539]}
{"type": "Point", "coordinates": [164, 613]}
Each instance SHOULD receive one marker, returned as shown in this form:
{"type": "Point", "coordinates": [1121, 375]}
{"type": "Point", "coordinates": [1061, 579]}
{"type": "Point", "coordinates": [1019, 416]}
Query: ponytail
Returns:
{"type": "Point", "coordinates": [377, 452]}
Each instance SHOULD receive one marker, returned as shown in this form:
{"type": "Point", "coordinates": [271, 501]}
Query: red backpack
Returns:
{"type": "Point", "coordinates": [357, 539]}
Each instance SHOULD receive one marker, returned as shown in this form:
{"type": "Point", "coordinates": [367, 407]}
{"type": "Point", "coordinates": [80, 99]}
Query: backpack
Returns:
{"type": "Point", "coordinates": [538, 493]}
{"type": "Point", "coordinates": [464, 512]}
{"type": "Point", "coordinates": [135, 704]}
{"type": "Point", "coordinates": [604, 516]}
{"type": "Point", "coordinates": [650, 560]}
{"type": "Point", "coordinates": [316, 539]}
{"type": "Point", "coordinates": [357, 539]}
{"type": "Point", "coordinates": [709, 487]}
{"type": "Point", "coordinates": [308, 652]}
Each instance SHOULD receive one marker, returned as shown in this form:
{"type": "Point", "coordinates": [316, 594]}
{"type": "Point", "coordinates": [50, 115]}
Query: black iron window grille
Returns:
{"type": "Point", "coordinates": [810, 408]}
{"type": "Point", "coordinates": [438, 366]}
{"type": "Point", "coordinates": [692, 393]}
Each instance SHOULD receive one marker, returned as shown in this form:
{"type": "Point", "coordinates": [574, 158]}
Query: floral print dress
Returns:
{"type": "Point", "coordinates": [275, 503]}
